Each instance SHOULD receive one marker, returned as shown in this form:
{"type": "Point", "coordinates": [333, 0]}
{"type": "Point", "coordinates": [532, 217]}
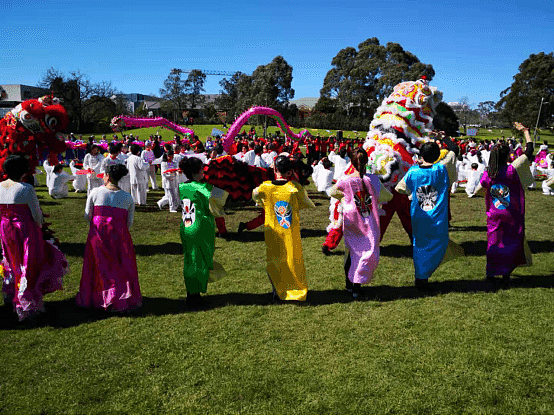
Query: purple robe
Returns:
{"type": "Point", "coordinates": [361, 226]}
{"type": "Point", "coordinates": [32, 266]}
{"type": "Point", "coordinates": [505, 206]}
{"type": "Point", "coordinates": [110, 276]}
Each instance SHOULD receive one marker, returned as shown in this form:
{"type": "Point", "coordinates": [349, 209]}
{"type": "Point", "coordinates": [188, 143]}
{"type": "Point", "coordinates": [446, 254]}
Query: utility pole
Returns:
{"type": "Point", "coordinates": [538, 117]}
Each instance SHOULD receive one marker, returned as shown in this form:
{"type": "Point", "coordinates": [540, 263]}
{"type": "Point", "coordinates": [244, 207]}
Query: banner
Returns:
{"type": "Point", "coordinates": [472, 131]}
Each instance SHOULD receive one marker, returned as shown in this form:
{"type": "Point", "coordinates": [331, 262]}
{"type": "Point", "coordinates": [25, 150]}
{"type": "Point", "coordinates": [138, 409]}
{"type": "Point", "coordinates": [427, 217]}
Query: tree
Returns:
{"type": "Point", "coordinates": [446, 120]}
{"type": "Point", "coordinates": [361, 79]}
{"type": "Point", "coordinates": [173, 93]}
{"type": "Point", "coordinates": [269, 85]}
{"type": "Point", "coordinates": [534, 82]}
{"type": "Point", "coordinates": [487, 112]}
{"type": "Point", "coordinates": [194, 87]}
{"type": "Point", "coordinates": [86, 103]}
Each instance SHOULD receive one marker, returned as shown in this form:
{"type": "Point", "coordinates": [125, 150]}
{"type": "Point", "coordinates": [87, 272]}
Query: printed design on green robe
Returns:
{"type": "Point", "coordinates": [189, 212]}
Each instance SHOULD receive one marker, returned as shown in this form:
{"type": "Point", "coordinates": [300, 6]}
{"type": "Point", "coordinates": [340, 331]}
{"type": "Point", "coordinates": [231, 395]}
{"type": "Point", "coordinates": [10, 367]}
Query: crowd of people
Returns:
{"type": "Point", "coordinates": [117, 182]}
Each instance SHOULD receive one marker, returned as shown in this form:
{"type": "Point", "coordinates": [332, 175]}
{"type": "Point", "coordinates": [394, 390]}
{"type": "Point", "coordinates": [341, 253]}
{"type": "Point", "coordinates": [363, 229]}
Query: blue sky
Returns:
{"type": "Point", "coordinates": [475, 47]}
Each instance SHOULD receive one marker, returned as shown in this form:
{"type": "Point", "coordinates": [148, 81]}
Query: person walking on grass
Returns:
{"type": "Point", "coordinates": [504, 186]}
{"type": "Point", "coordinates": [110, 277]}
{"type": "Point", "coordinates": [282, 200]}
{"type": "Point", "coordinates": [429, 183]}
{"type": "Point", "coordinates": [201, 203]}
{"type": "Point", "coordinates": [360, 195]}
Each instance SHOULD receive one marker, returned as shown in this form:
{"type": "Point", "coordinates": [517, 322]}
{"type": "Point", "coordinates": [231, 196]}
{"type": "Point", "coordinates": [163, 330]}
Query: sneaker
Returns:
{"type": "Point", "coordinates": [172, 210]}
{"type": "Point", "coordinates": [242, 227]}
{"type": "Point", "coordinates": [358, 292]}
{"type": "Point", "coordinates": [159, 206]}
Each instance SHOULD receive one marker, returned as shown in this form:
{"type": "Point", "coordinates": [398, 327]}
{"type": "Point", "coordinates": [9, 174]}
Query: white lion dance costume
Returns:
{"type": "Point", "coordinates": [400, 125]}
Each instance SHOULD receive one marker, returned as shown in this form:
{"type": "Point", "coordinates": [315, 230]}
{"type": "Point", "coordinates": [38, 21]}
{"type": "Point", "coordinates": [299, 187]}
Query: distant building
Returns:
{"type": "Point", "coordinates": [14, 94]}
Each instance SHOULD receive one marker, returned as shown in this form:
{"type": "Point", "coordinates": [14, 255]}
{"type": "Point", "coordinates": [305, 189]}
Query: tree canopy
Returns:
{"type": "Point", "coordinates": [361, 79]}
{"type": "Point", "coordinates": [534, 82]}
{"type": "Point", "coordinates": [86, 103]}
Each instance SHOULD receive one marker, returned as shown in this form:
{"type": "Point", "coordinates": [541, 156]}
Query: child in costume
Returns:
{"type": "Point", "coordinates": [429, 184]}
{"type": "Point", "coordinates": [32, 266]}
{"type": "Point", "coordinates": [138, 169]}
{"type": "Point", "coordinates": [110, 277]}
{"type": "Point", "coordinates": [80, 182]}
{"type": "Point", "coordinates": [170, 183]}
{"type": "Point", "coordinates": [93, 162]}
{"type": "Point", "coordinates": [57, 187]}
{"type": "Point", "coordinates": [282, 200]}
{"type": "Point", "coordinates": [360, 195]}
{"type": "Point", "coordinates": [505, 204]}
{"type": "Point", "coordinates": [148, 156]}
{"type": "Point", "coordinates": [201, 202]}
{"type": "Point", "coordinates": [473, 179]}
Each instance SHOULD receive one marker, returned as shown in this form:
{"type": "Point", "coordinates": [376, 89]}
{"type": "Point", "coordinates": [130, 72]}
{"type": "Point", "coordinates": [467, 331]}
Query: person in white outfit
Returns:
{"type": "Point", "coordinates": [473, 179]}
{"type": "Point", "coordinates": [340, 161]}
{"type": "Point", "coordinates": [148, 156]}
{"type": "Point", "coordinates": [323, 175]}
{"type": "Point", "coordinates": [48, 168]}
{"type": "Point", "coordinates": [125, 182]}
{"type": "Point", "coordinates": [259, 162]}
{"type": "Point", "coordinates": [138, 170]}
{"type": "Point", "coordinates": [80, 183]}
{"type": "Point", "coordinates": [57, 187]}
{"type": "Point", "coordinates": [93, 161]}
{"type": "Point", "coordinates": [170, 183]}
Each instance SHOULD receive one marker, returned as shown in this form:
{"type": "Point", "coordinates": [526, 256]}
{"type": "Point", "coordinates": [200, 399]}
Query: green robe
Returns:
{"type": "Point", "coordinates": [197, 235]}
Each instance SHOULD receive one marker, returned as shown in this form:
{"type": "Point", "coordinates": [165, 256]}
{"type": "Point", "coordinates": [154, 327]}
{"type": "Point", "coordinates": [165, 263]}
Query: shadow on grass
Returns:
{"type": "Point", "coordinates": [65, 314]}
{"type": "Point", "coordinates": [478, 228]}
{"type": "Point", "coordinates": [78, 249]}
{"type": "Point", "coordinates": [479, 248]}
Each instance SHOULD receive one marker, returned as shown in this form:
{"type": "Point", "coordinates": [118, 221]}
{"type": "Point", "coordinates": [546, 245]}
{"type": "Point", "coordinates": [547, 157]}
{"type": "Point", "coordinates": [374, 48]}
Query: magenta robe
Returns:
{"type": "Point", "coordinates": [110, 276]}
{"type": "Point", "coordinates": [505, 205]}
{"type": "Point", "coordinates": [361, 227]}
{"type": "Point", "coordinates": [32, 266]}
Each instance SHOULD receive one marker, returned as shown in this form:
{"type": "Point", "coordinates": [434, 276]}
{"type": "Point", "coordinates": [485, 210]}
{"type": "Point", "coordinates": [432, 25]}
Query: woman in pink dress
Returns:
{"type": "Point", "coordinates": [32, 266]}
{"type": "Point", "coordinates": [110, 276]}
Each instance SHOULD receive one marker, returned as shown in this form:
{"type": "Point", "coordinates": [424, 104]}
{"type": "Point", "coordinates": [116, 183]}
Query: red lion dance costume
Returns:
{"type": "Point", "coordinates": [31, 127]}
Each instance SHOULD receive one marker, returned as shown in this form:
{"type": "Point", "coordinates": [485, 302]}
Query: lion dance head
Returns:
{"type": "Point", "coordinates": [400, 125]}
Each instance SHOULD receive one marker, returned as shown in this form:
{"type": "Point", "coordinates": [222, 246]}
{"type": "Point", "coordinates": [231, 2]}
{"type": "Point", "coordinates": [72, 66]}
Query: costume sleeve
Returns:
{"type": "Point", "coordinates": [158, 160]}
{"type": "Point", "coordinates": [217, 201]}
{"type": "Point", "coordinates": [131, 214]}
{"type": "Point", "coordinates": [335, 192]}
{"type": "Point", "coordinates": [449, 163]}
{"type": "Point", "coordinates": [523, 168]}
{"type": "Point", "coordinates": [34, 206]}
{"type": "Point", "coordinates": [86, 161]}
{"type": "Point", "coordinates": [303, 198]}
{"type": "Point", "coordinates": [258, 195]}
{"type": "Point", "coordinates": [89, 206]}
{"type": "Point", "coordinates": [402, 186]}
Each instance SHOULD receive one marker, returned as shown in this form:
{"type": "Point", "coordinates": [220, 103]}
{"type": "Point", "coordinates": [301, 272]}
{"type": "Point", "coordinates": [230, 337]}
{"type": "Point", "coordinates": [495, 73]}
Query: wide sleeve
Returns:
{"type": "Point", "coordinates": [89, 206]}
{"type": "Point", "coordinates": [131, 213]}
{"type": "Point", "coordinates": [523, 167]}
{"type": "Point", "coordinates": [336, 191]}
{"type": "Point", "coordinates": [258, 195]}
{"type": "Point", "coordinates": [86, 161]}
{"type": "Point", "coordinates": [304, 200]}
{"type": "Point", "coordinates": [449, 163]}
{"type": "Point", "coordinates": [34, 206]}
{"type": "Point", "coordinates": [402, 186]}
{"type": "Point", "coordinates": [217, 201]}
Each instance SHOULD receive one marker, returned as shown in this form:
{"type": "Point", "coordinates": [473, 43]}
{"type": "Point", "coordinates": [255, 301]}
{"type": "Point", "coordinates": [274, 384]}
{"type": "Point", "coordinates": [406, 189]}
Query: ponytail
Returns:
{"type": "Point", "coordinates": [359, 159]}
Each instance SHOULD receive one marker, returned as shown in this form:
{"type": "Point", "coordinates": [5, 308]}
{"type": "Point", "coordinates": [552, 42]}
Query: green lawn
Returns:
{"type": "Point", "coordinates": [467, 347]}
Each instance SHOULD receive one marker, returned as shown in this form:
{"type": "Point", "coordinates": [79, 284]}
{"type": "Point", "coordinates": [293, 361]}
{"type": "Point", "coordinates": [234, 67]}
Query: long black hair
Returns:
{"type": "Point", "coordinates": [498, 159]}
{"type": "Point", "coordinates": [359, 160]}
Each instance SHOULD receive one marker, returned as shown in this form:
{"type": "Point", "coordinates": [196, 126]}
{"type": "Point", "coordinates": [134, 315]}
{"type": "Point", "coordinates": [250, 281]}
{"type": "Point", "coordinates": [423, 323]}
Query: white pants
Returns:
{"type": "Point", "coordinates": [80, 184]}
{"type": "Point", "coordinates": [152, 176]}
{"type": "Point", "coordinates": [547, 190]}
{"type": "Point", "coordinates": [138, 192]}
{"type": "Point", "coordinates": [454, 187]}
{"type": "Point", "coordinates": [171, 197]}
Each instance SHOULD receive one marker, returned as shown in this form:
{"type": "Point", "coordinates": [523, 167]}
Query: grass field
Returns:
{"type": "Point", "coordinates": [467, 347]}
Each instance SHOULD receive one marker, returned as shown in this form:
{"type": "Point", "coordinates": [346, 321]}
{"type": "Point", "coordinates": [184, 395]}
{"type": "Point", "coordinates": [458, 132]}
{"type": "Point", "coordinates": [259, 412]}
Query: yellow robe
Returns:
{"type": "Point", "coordinates": [285, 262]}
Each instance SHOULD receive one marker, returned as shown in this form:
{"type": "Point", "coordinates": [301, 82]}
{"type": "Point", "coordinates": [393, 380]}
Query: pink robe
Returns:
{"type": "Point", "coordinates": [32, 267]}
{"type": "Point", "coordinates": [110, 276]}
{"type": "Point", "coordinates": [361, 227]}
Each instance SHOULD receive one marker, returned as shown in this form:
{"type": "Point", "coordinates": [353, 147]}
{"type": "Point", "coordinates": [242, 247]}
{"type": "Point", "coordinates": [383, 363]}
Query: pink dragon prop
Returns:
{"type": "Point", "coordinates": [119, 123]}
{"type": "Point", "coordinates": [255, 111]}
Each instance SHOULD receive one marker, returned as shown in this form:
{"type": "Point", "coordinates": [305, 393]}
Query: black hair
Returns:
{"type": "Point", "coordinates": [113, 149]}
{"type": "Point", "coordinates": [479, 157]}
{"type": "Point", "coordinates": [474, 166]}
{"type": "Point", "coordinates": [342, 152]}
{"type": "Point", "coordinates": [190, 166]}
{"type": "Point", "coordinates": [258, 149]}
{"type": "Point", "coordinates": [430, 152]}
{"type": "Point", "coordinates": [116, 172]}
{"type": "Point", "coordinates": [135, 149]}
{"type": "Point", "coordinates": [57, 168]}
{"type": "Point", "coordinates": [283, 164]}
{"type": "Point", "coordinates": [359, 161]}
{"type": "Point", "coordinates": [498, 159]}
{"type": "Point", "coordinates": [169, 153]}
{"type": "Point", "coordinates": [119, 146]}
{"type": "Point", "coordinates": [15, 166]}
{"type": "Point", "coordinates": [219, 148]}
{"type": "Point", "coordinates": [326, 163]}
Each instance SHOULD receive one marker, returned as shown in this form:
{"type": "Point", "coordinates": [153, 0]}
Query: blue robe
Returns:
{"type": "Point", "coordinates": [429, 212]}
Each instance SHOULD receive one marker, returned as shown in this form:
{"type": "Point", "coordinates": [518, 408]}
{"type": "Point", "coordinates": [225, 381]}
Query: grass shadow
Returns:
{"type": "Point", "coordinates": [66, 314]}
{"type": "Point", "coordinates": [396, 250]}
{"type": "Point", "coordinates": [477, 228]}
